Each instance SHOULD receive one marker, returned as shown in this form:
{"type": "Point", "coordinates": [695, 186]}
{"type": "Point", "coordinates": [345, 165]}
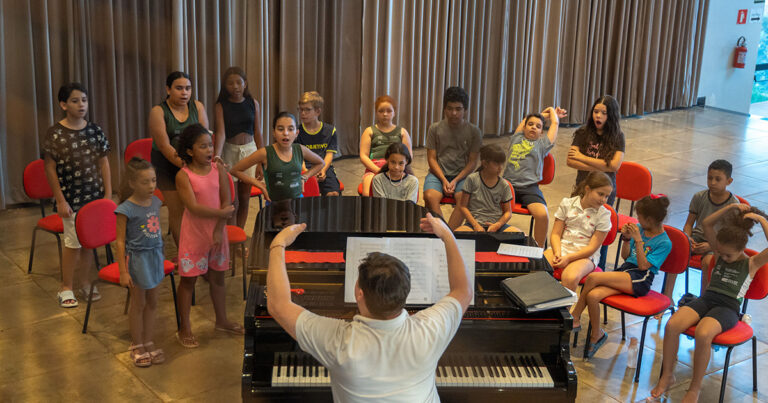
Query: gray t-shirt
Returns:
{"type": "Point", "coordinates": [484, 201]}
{"type": "Point", "coordinates": [525, 159]}
{"type": "Point", "coordinates": [406, 188]}
{"type": "Point", "coordinates": [702, 207]}
{"type": "Point", "coordinates": [453, 145]}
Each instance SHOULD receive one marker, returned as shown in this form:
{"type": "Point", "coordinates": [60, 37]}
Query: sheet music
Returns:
{"type": "Point", "coordinates": [520, 250]}
{"type": "Point", "coordinates": [425, 258]}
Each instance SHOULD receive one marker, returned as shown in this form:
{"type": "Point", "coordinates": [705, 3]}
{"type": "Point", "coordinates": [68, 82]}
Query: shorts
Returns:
{"type": "Point", "coordinates": [431, 182]}
{"type": "Point", "coordinates": [719, 307]}
{"type": "Point", "coordinates": [331, 182]}
{"type": "Point", "coordinates": [231, 154]}
{"type": "Point", "coordinates": [192, 264]}
{"type": "Point", "coordinates": [70, 234]}
{"type": "Point", "coordinates": [165, 171]}
{"type": "Point", "coordinates": [641, 279]}
{"type": "Point", "coordinates": [379, 162]}
{"type": "Point", "coordinates": [485, 227]}
{"type": "Point", "coordinates": [525, 195]}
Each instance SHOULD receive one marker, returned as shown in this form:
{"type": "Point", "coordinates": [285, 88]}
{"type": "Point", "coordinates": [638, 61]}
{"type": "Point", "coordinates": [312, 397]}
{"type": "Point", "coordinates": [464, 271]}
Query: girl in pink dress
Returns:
{"type": "Point", "coordinates": [203, 187]}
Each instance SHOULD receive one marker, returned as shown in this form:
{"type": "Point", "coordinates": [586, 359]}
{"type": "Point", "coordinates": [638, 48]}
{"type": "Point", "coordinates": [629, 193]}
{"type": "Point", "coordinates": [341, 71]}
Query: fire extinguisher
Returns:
{"type": "Point", "coordinates": [740, 53]}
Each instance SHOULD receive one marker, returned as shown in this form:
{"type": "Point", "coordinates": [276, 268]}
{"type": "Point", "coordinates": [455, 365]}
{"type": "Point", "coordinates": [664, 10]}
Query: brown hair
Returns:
{"type": "Point", "coordinates": [594, 180]}
{"type": "Point", "coordinates": [132, 169]}
{"type": "Point", "coordinates": [736, 229]}
{"type": "Point", "coordinates": [384, 98]}
{"type": "Point", "coordinates": [492, 153]}
{"type": "Point", "coordinates": [386, 282]}
{"type": "Point", "coordinates": [313, 98]}
{"type": "Point", "coordinates": [653, 208]}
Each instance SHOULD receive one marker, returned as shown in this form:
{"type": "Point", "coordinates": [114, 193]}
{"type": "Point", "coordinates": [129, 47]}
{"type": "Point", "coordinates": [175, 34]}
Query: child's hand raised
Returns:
{"type": "Point", "coordinates": [754, 217]}
{"type": "Point", "coordinates": [436, 226]}
{"type": "Point", "coordinates": [743, 207]}
{"type": "Point", "coordinates": [561, 113]}
{"type": "Point", "coordinates": [288, 235]}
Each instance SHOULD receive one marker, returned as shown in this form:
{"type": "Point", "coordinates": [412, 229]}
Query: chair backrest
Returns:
{"type": "Point", "coordinates": [311, 187]}
{"type": "Point", "coordinates": [742, 200]}
{"type": "Point", "coordinates": [512, 188]}
{"type": "Point", "coordinates": [141, 148]}
{"type": "Point", "coordinates": [677, 260]}
{"type": "Point", "coordinates": [548, 174]}
{"type": "Point", "coordinates": [633, 181]}
{"type": "Point", "coordinates": [95, 223]}
{"type": "Point", "coordinates": [758, 288]}
{"type": "Point", "coordinates": [614, 226]}
{"type": "Point", "coordinates": [35, 183]}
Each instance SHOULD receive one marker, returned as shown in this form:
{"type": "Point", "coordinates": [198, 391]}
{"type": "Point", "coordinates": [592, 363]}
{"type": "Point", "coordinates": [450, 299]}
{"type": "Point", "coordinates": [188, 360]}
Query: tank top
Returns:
{"type": "Point", "coordinates": [380, 141]}
{"type": "Point", "coordinates": [283, 178]}
{"type": "Point", "coordinates": [731, 279]}
{"type": "Point", "coordinates": [172, 126]}
{"type": "Point", "coordinates": [238, 117]}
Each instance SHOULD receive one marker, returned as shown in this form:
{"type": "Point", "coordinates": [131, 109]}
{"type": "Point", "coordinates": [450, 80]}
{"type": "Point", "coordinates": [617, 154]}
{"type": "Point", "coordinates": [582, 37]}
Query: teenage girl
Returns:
{"type": "Point", "coordinates": [238, 131]}
{"type": "Point", "coordinates": [599, 146]}
{"type": "Point", "coordinates": [281, 162]}
{"type": "Point", "coordinates": [717, 310]}
{"type": "Point", "coordinates": [376, 139]}
{"type": "Point", "coordinates": [139, 252]}
{"type": "Point", "coordinates": [395, 180]}
{"type": "Point", "coordinates": [581, 225]}
{"type": "Point", "coordinates": [647, 247]}
{"type": "Point", "coordinates": [204, 189]}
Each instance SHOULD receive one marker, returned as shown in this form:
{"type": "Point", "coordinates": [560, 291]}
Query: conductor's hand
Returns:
{"type": "Point", "coordinates": [288, 234]}
{"type": "Point", "coordinates": [436, 226]}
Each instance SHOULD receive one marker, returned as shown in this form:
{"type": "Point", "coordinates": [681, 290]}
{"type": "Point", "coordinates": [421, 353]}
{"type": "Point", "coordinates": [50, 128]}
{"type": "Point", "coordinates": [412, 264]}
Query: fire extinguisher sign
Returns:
{"type": "Point", "coordinates": [742, 17]}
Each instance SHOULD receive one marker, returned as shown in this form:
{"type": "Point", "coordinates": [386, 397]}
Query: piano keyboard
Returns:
{"type": "Point", "coordinates": [512, 370]}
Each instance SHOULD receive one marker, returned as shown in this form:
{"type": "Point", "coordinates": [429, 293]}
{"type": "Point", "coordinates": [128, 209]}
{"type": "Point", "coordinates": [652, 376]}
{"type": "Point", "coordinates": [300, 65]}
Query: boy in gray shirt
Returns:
{"type": "Point", "coordinates": [452, 148]}
{"type": "Point", "coordinates": [486, 200]}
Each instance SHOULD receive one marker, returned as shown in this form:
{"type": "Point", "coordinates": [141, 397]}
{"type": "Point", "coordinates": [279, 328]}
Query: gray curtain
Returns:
{"type": "Point", "coordinates": [513, 57]}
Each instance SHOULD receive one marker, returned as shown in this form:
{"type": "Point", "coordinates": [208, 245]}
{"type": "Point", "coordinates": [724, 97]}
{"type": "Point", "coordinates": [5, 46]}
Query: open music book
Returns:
{"type": "Point", "coordinates": [425, 258]}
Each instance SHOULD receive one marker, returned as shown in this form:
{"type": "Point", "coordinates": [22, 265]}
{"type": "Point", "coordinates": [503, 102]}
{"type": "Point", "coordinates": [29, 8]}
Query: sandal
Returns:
{"type": "Point", "coordinates": [83, 294]}
{"type": "Point", "coordinates": [158, 355]}
{"type": "Point", "coordinates": [599, 343]}
{"type": "Point", "coordinates": [141, 360]}
{"type": "Point", "coordinates": [67, 299]}
{"type": "Point", "coordinates": [236, 329]}
{"type": "Point", "coordinates": [187, 342]}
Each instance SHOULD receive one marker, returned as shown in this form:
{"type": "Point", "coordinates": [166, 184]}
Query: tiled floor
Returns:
{"type": "Point", "coordinates": [46, 358]}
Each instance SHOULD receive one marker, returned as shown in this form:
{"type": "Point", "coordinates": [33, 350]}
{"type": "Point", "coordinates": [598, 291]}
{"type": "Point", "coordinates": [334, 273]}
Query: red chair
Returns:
{"type": "Point", "coordinates": [633, 182]}
{"type": "Point", "coordinates": [141, 148]}
{"type": "Point", "coordinates": [311, 187]}
{"type": "Point", "coordinates": [548, 175]}
{"type": "Point", "coordinates": [654, 302]}
{"type": "Point", "coordinates": [236, 236]}
{"type": "Point", "coordinates": [742, 332]}
{"type": "Point", "coordinates": [36, 187]}
{"type": "Point", "coordinates": [95, 224]}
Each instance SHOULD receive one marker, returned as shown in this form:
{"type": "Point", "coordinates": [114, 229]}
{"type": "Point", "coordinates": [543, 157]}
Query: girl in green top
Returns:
{"type": "Point", "coordinates": [717, 310]}
{"type": "Point", "coordinates": [376, 139]}
{"type": "Point", "coordinates": [281, 162]}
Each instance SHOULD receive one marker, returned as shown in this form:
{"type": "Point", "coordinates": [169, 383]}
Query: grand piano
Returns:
{"type": "Point", "coordinates": [499, 353]}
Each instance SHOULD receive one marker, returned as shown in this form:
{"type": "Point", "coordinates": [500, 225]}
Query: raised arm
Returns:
{"type": "Point", "coordinates": [759, 260]}
{"type": "Point", "coordinates": [279, 303]}
{"type": "Point", "coordinates": [553, 116]}
{"type": "Point", "coordinates": [457, 273]}
{"type": "Point", "coordinates": [708, 224]}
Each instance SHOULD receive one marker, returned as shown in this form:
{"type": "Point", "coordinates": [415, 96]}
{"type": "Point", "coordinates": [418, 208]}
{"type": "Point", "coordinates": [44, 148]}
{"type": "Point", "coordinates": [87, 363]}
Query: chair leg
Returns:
{"type": "Point", "coordinates": [245, 270]}
{"type": "Point", "coordinates": [575, 338]}
{"type": "Point", "coordinates": [686, 279]}
{"type": "Point", "coordinates": [530, 229]}
{"type": "Point", "coordinates": [193, 297]}
{"type": "Point", "coordinates": [725, 373]}
{"type": "Point", "coordinates": [623, 328]}
{"type": "Point", "coordinates": [586, 341]}
{"type": "Point", "coordinates": [61, 258]}
{"type": "Point", "coordinates": [605, 314]}
{"type": "Point", "coordinates": [175, 303]}
{"type": "Point", "coordinates": [127, 301]}
{"type": "Point", "coordinates": [32, 251]}
{"type": "Point", "coordinates": [232, 261]}
{"type": "Point", "coordinates": [88, 309]}
{"type": "Point", "coordinates": [754, 363]}
{"type": "Point", "coordinates": [618, 252]}
{"type": "Point", "coordinates": [640, 350]}
{"type": "Point", "coordinates": [261, 202]}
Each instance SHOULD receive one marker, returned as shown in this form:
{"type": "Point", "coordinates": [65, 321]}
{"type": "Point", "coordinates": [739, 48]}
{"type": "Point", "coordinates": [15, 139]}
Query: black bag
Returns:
{"type": "Point", "coordinates": [686, 299]}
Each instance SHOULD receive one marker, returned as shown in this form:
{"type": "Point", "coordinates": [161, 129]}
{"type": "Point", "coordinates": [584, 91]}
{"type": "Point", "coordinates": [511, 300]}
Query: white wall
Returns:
{"type": "Point", "coordinates": [724, 86]}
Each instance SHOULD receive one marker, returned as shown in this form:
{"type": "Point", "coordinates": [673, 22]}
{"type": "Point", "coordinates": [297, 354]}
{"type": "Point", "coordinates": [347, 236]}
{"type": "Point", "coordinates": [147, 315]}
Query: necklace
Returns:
{"type": "Point", "coordinates": [397, 182]}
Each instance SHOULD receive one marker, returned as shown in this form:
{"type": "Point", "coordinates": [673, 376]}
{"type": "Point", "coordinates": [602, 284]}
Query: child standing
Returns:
{"type": "Point", "coordinates": [581, 225]}
{"type": "Point", "coordinates": [281, 162]}
{"type": "Point", "coordinates": [238, 131]}
{"type": "Point", "coordinates": [376, 139]}
{"type": "Point", "coordinates": [485, 201]}
{"type": "Point", "coordinates": [599, 146]}
{"type": "Point", "coordinates": [646, 250]}
{"type": "Point", "coordinates": [203, 187]}
{"type": "Point", "coordinates": [139, 252]}
{"type": "Point", "coordinates": [717, 310]}
{"type": "Point", "coordinates": [395, 180]}
{"type": "Point", "coordinates": [525, 164]}
{"type": "Point", "coordinates": [320, 137]}
{"type": "Point", "coordinates": [77, 169]}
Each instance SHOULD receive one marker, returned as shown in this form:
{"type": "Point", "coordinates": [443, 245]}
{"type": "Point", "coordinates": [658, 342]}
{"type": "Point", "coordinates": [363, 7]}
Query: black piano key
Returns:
{"type": "Point", "coordinates": [499, 365]}
{"type": "Point", "coordinates": [474, 371]}
{"type": "Point", "coordinates": [294, 364]}
{"type": "Point", "coordinates": [516, 367]}
{"type": "Point", "coordinates": [279, 363]}
{"type": "Point", "coordinates": [506, 362]}
{"type": "Point", "coordinates": [490, 368]}
{"type": "Point", "coordinates": [536, 366]}
{"type": "Point", "coordinates": [452, 368]}
{"type": "Point", "coordinates": [525, 366]}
